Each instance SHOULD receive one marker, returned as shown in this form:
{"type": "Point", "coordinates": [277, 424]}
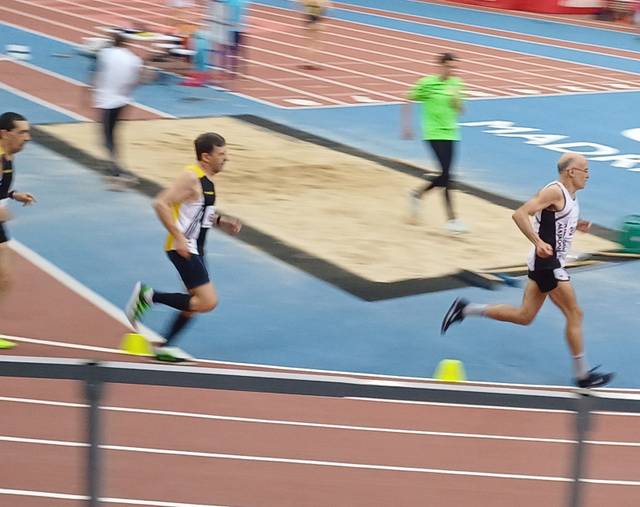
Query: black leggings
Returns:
{"type": "Point", "coordinates": [110, 118]}
{"type": "Point", "coordinates": [444, 151]}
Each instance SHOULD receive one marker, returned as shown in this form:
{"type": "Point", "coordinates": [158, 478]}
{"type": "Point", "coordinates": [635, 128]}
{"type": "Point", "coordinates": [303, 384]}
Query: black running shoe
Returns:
{"type": "Point", "coordinates": [454, 314]}
{"type": "Point", "coordinates": [594, 379]}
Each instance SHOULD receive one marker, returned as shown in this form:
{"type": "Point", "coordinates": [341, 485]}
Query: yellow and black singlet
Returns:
{"type": "Point", "coordinates": [195, 218]}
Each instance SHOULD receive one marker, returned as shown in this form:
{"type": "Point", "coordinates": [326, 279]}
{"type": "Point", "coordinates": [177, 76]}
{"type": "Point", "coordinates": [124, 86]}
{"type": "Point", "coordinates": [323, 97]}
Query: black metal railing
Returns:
{"type": "Point", "coordinates": [95, 375]}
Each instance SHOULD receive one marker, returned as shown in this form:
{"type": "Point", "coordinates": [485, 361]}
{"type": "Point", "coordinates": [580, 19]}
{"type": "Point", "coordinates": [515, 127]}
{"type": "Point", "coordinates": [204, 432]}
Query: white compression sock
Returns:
{"type": "Point", "coordinates": [473, 309]}
{"type": "Point", "coordinates": [580, 366]}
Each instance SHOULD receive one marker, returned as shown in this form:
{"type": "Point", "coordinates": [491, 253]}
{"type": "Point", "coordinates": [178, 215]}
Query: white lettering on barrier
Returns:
{"type": "Point", "coordinates": [632, 134]}
{"type": "Point", "coordinates": [592, 151]}
{"type": "Point", "coordinates": [597, 150]}
{"type": "Point", "coordinates": [623, 161]}
{"type": "Point", "coordinates": [537, 139]}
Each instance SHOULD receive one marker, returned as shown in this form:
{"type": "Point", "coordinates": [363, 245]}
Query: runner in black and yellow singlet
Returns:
{"type": "Point", "coordinates": [187, 210]}
{"type": "Point", "coordinates": [193, 219]}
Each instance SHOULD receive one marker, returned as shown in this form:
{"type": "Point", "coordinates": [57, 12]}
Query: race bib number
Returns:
{"type": "Point", "coordinates": [209, 215]}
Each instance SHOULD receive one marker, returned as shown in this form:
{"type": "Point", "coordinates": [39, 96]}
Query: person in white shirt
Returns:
{"type": "Point", "coordinates": [118, 72]}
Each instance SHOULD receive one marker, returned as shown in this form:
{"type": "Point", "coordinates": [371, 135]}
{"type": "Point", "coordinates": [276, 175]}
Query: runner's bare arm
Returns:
{"type": "Point", "coordinates": [183, 189]}
{"type": "Point", "coordinates": [546, 198]}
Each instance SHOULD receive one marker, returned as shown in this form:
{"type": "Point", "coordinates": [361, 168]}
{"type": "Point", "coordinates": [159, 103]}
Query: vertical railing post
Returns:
{"type": "Point", "coordinates": [585, 404]}
{"type": "Point", "coordinates": [93, 393]}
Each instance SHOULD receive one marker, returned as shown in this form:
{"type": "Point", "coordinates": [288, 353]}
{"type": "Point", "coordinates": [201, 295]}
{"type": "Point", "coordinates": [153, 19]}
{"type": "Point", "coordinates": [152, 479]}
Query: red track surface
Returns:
{"type": "Point", "coordinates": [360, 63]}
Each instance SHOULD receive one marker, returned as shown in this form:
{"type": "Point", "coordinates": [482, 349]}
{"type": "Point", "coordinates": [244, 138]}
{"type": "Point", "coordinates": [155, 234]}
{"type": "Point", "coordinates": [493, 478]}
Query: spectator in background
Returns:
{"type": "Point", "coordinates": [217, 30]}
{"type": "Point", "coordinates": [314, 12]}
{"type": "Point", "coordinates": [236, 11]}
{"type": "Point", "coordinates": [118, 72]}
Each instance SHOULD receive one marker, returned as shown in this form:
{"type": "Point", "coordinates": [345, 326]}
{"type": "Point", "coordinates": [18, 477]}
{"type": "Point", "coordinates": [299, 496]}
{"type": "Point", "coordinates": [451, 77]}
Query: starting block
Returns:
{"type": "Point", "coordinates": [450, 370]}
{"type": "Point", "coordinates": [136, 344]}
{"type": "Point", "coordinates": [6, 344]}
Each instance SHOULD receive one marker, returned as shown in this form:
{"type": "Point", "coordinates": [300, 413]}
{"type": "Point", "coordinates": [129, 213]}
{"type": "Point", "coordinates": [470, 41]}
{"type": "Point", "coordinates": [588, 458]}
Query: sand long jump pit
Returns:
{"type": "Point", "coordinates": [329, 210]}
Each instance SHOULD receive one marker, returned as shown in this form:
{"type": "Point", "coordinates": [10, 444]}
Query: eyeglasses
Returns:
{"type": "Point", "coordinates": [581, 170]}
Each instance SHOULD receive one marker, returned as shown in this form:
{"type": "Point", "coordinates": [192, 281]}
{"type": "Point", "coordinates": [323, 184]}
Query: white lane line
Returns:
{"type": "Point", "coordinates": [304, 75]}
{"type": "Point", "coordinates": [65, 345]}
{"type": "Point", "coordinates": [50, 22]}
{"type": "Point", "coordinates": [574, 88]}
{"type": "Point", "coordinates": [526, 91]}
{"type": "Point", "coordinates": [40, 34]}
{"type": "Point", "coordinates": [278, 422]}
{"type": "Point", "coordinates": [623, 86]}
{"type": "Point", "coordinates": [401, 38]}
{"type": "Point", "coordinates": [42, 102]}
{"type": "Point", "coordinates": [196, 415]}
{"type": "Point", "coordinates": [253, 78]}
{"type": "Point", "coordinates": [560, 20]}
{"type": "Point", "coordinates": [118, 501]}
{"type": "Point", "coordinates": [465, 71]}
{"type": "Point", "coordinates": [321, 463]}
{"type": "Point", "coordinates": [400, 48]}
{"type": "Point", "coordinates": [509, 35]}
{"type": "Point", "coordinates": [291, 461]}
{"type": "Point", "coordinates": [476, 93]}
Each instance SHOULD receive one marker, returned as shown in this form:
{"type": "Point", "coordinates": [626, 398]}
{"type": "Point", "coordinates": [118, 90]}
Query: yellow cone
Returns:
{"type": "Point", "coordinates": [6, 344]}
{"type": "Point", "coordinates": [450, 370]}
{"type": "Point", "coordinates": [136, 344]}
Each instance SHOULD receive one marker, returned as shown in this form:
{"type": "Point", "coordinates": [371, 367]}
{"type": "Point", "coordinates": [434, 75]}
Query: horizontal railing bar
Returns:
{"type": "Point", "coordinates": [309, 385]}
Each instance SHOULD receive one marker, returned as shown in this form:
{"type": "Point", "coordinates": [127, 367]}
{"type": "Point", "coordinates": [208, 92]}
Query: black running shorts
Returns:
{"type": "Point", "coordinates": [547, 279]}
{"type": "Point", "coordinates": [193, 270]}
{"type": "Point", "coordinates": [3, 234]}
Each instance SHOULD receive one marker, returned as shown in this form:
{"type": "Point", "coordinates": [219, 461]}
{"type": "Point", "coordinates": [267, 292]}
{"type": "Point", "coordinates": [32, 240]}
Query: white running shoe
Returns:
{"type": "Point", "coordinates": [456, 226]}
{"type": "Point", "coordinates": [172, 355]}
{"type": "Point", "coordinates": [139, 302]}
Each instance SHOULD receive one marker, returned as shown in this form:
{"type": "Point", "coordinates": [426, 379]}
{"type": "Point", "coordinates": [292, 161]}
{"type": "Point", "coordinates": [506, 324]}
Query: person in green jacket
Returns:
{"type": "Point", "coordinates": [441, 98]}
